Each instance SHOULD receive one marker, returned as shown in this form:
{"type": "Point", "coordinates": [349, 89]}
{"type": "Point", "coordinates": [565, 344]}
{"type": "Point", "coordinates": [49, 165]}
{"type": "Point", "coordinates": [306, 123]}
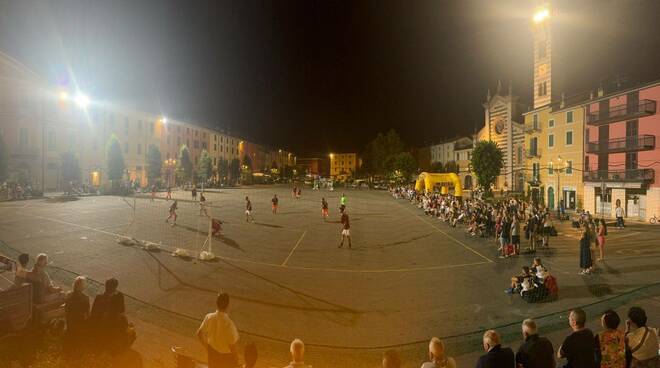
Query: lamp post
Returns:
{"type": "Point", "coordinates": [559, 171]}
{"type": "Point", "coordinates": [170, 163]}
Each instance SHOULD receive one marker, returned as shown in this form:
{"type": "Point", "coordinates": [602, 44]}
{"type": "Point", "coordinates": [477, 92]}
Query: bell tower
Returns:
{"type": "Point", "coordinates": [542, 56]}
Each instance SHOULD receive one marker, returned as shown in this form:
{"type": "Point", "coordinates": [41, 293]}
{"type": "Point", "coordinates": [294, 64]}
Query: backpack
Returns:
{"type": "Point", "coordinates": [551, 286]}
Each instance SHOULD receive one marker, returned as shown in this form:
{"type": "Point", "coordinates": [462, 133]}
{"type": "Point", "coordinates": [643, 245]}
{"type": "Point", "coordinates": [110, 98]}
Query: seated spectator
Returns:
{"type": "Point", "coordinates": [496, 355]}
{"type": "Point", "coordinates": [642, 341]}
{"type": "Point", "coordinates": [578, 348]}
{"type": "Point", "coordinates": [391, 359]}
{"type": "Point", "coordinates": [44, 289]}
{"type": "Point", "coordinates": [250, 355]}
{"type": "Point", "coordinates": [219, 335]}
{"type": "Point", "coordinates": [539, 271]}
{"type": "Point", "coordinates": [109, 323]}
{"type": "Point", "coordinates": [517, 281]}
{"type": "Point", "coordinates": [611, 343]}
{"type": "Point", "coordinates": [76, 310]}
{"type": "Point", "coordinates": [437, 356]}
{"type": "Point", "coordinates": [297, 355]}
{"type": "Point", "coordinates": [21, 275]}
{"type": "Point", "coordinates": [536, 351]}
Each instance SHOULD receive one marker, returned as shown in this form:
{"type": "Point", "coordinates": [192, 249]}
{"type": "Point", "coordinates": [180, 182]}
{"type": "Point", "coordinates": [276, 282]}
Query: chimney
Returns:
{"type": "Point", "coordinates": [600, 91]}
{"type": "Point", "coordinates": [563, 100]}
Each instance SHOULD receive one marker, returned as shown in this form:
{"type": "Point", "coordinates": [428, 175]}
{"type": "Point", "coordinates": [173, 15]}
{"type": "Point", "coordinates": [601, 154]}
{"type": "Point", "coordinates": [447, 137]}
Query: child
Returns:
{"type": "Point", "coordinates": [169, 193]}
{"type": "Point", "coordinates": [275, 203]}
{"type": "Point", "coordinates": [248, 210]}
{"type": "Point", "coordinates": [202, 205]}
{"type": "Point", "coordinates": [324, 208]}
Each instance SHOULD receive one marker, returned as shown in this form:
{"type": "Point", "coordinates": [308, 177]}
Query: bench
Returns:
{"type": "Point", "coordinates": [15, 309]}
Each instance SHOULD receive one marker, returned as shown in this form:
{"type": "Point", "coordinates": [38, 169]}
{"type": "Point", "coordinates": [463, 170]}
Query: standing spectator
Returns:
{"type": "Point", "coordinates": [297, 355]}
{"type": "Point", "coordinates": [585, 251]}
{"type": "Point", "coordinates": [618, 212]}
{"type": "Point", "coordinates": [515, 234]}
{"type": "Point", "coordinates": [219, 336]}
{"type": "Point", "coordinates": [437, 356]}
{"type": "Point", "coordinates": [547, 228]}
{"type": "Point", "coordinates": [194, 193]}
{"type": "Point", "coordinates": [391, 359]}
{"type": "Point", "coordinates": [611, 342]}
{"type": "Point", "coordinates": [76, 310]}
{"type": "Point", "coordinates": [108, 321]}
{"type": "Point", "coordinates": [602, 231]}
{"type": "Point", "coordinates": [642, 341]}
{"type": "Point", "coordinates": [578, 348]}
{"type": "Point", "coordinates": [496, 356]}
{"type": "Point", "coordinates": [536, 351]}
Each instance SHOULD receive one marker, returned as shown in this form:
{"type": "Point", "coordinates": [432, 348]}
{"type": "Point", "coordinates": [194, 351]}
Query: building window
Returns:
{"type": "Point", "coordinates": [23, 138]}
{"type": "Point", "coordinates": [535, 121]}
{"type": "Point", "coordinates": [545, 88]}
{"type": "Point", "coordinates": [551, 169]}
{"type": "Point", "coordinates": [540, 89]}
{"type": "Point", "coordinates": [551, 123]}
{"type": "Point", "coordinates": [569, 138]}
{"type": "Point", "coordinates": [204, 145]}
{"type": "Point", "coordinates": [139, 149]}
{"type": "Point", "coordinates": [520, 155]}
{"type": "Point", "coordinates": [551, 140]}
{"type": "Point", "coordinates": [569, 167]}
{"type": "Point", "coordinates": [536, 169]}
{"type": "Point", "coordinates": [542, 49]}
{"type": "Point", "coordinates": [569, 117]}
{"type": "Point", "coordinates": [52, 142]}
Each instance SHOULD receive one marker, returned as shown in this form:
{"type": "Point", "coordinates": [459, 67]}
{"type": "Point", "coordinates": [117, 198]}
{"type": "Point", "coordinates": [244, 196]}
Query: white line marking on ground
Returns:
{"type": "Point", "coordinates": [294, 248]}
{"type": "Point", "coordinates": [301, 268]}
{"type": "Point", "coordinates": [449, 236]}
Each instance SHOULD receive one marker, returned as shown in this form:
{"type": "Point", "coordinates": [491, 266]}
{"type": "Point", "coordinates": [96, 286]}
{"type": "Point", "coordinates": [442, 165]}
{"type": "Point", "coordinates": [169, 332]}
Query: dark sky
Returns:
{"type": "Point", "coordinates": [321, 76]}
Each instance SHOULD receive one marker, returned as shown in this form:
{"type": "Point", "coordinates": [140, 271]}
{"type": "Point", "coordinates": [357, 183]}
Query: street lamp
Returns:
{"type": "Point", "coordinates": [541, 14]}
{"type": "Point", "coordinates": [82, 100]}
{"type": "Point", "coordinates": [170, 163]}
{"type": "Point", "coordinates": [559, 170]}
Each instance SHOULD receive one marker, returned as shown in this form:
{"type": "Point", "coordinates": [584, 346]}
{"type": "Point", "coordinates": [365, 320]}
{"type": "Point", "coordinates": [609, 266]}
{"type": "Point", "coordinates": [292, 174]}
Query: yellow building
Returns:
{"type": "Point", "coordinates": [343, 165]}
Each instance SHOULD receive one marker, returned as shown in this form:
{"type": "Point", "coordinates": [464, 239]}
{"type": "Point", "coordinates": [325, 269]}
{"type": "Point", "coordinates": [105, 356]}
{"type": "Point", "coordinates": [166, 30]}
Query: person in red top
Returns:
{"type": "Point", "coordinates": [169, 193]}
{"type": "Point", "coordinates": [248, 210]}
{"type": "Point", "coordinates": [346, 229]}
{"type": "Point", "coordinates": [324, 208]}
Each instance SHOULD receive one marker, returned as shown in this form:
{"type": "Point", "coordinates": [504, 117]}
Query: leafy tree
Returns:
{"type": "Point", "coordinates": [402, 166]}
{"type": "Point", "coordinates": [223, 170]}
{"type": "Point", "coordinates": [154, 164]}
{"type": "Point", "coordinates": [116, 166]}
{"type": "Point", "coordinates": [3, 160]}
{"type": "Point", "coordinates": [184, 165]}
{"type": "Point", "coordinates": [378, 151]}
{"type": "Point", "coordinates": [70, 167]}
{"type": "Point", "coordinates": [452, 167]}
{"type": "Point", "coordinates": [247, 161]}
{"type": "Point", "coordinates": [287, 172]}
{"type": "Point", "coordinates": [486, 163]}
{"type": "Point", "coordinates": [204, 167]}
{"type": "Point", "coordinates": [437, 167]}
{"type": "Point", "coordinates": [234, 170]}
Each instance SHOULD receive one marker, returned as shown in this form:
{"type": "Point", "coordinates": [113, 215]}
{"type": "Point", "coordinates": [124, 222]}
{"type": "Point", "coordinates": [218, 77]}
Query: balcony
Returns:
{"type": "Point", "coordinates": [625, 144]}
{"type": "Point", "coordinates": [529, 129]}
{"type": "Point", "coordinates": [533, 153]}
{"type": "Point", "coordinates": [621, 112]}
{"type": "Point", "coordinates": [634, 175]}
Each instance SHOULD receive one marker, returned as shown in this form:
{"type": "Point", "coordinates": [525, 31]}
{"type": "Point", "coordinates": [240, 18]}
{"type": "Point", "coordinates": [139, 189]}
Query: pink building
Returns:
{"type": "Point", "coordinates": [622, 161]}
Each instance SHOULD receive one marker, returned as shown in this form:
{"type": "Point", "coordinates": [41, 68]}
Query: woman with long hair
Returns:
{"type": "Point", "coordinates": [602, 231]}
{"type": "Point", "coordinates": [585, 251]}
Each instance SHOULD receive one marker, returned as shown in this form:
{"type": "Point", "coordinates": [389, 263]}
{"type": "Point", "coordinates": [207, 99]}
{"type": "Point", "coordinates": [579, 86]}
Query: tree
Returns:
{"type": "Point", "coordinates": [204, 167]}
{"type": "Point", "coordinates": [234, 170]}
{"type": "Point", "coordinates": [154, 164]}
{"type": "Point", "coordinates": [486, 163]}
{"type": "Point", "coordinates": [184, 165]}
{"type": "Point", "coordinates": [378, 151]}
{"type": "Point", "coordinates": [452, 167]}
{"type": "Point", "coordinates": [437, 167]}
{"type": "Point", "coordinates": [247, 161]}
{"type": "Point", "coordinates": [70, 167]}
{"type": "Point", "coordinates": [116, 166]}
{"type": "Point", "coordinates": [402, 166]}
{"type": "Point", "coordinates": [223, 170]}
{"type": "Point", "coordinates": [3, 160]}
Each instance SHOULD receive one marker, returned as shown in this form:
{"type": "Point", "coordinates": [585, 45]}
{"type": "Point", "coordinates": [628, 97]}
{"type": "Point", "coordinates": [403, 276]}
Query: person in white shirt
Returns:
{"type": "Point", "coordinates": [437, 356]}
{"type": "Point", "coordinates": [219, 335]}
{"type": "Point", "coordinates": [618, 212]}
{"type": "Point", "coordinates": [297, 355]}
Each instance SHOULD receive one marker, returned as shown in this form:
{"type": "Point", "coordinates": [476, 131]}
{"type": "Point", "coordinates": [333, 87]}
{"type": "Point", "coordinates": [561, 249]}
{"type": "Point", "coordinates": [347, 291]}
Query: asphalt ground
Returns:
{"type": "Point", "coordinates": [408, 276]}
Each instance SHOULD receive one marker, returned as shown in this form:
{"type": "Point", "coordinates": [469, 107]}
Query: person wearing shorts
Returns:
{"type": "Point", "coordinates": [324, 208]}
{"type": "Point", "coordinates": [202, 206]}
{"type": "Point", "coordinates": [275, 203]}
{"type": "Point", "coordinates": [346, 230]}
{"type": "Point", "coordinates": [173, 209]}
{"type": "Point", "coordinates": [169, 193]}
{"type": "Point", "coordinates": [248, 210]}
{"type": "Point", "coordinates": [153, 192]}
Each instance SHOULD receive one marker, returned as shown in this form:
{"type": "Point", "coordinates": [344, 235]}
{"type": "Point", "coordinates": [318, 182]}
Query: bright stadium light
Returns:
{"type": "Point", "coordinates": [82, 100]}
{"type": "Point", "coordinates": [163, 120]}
{"type": "Point", "coordinates": [63, 95]}
{"type": "Point", "coordinates": [541, 15]}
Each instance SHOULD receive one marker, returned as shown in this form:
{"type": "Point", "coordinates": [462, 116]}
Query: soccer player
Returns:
{"type": "Point", "coordinates": [299, 193]}
{"type": "Point", "coordinates": [153, 192]}
{"type": "Point", "coordinates": [275, 203]}
{"type": "Point", "coordinates": [202, 205]}
{"type": "Point", "coordinates": [169, 193]}
{"type": "Point", "coordinates": [346, 230]}
{"type": "Point", "coordinates": [248, 210]}
{"type": "Point", "coordinates": [194, 193]}
{"type": "Point", "coordinates": [294, 192]}
{"type": "Point", "coordinates": [324, 208]}
{"type": "Point", "coordinates": [342, 202]}
{"type": "Point", "coordinates": [173, 209]}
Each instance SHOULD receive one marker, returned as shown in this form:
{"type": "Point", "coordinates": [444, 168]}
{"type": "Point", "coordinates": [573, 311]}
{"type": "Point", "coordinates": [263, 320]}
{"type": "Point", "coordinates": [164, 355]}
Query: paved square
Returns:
{"type": "Point", "coordinates": [407, 277]}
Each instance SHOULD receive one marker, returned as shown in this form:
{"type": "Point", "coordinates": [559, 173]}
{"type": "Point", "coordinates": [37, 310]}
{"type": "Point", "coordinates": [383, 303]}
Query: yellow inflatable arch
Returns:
{"type": "Point", "coordinates": [427, 181]}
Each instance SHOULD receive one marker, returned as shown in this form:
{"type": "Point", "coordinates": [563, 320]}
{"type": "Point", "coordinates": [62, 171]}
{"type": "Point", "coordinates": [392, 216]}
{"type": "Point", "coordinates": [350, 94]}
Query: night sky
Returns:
{"type": "Point", "coordinates": [321, 76]}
